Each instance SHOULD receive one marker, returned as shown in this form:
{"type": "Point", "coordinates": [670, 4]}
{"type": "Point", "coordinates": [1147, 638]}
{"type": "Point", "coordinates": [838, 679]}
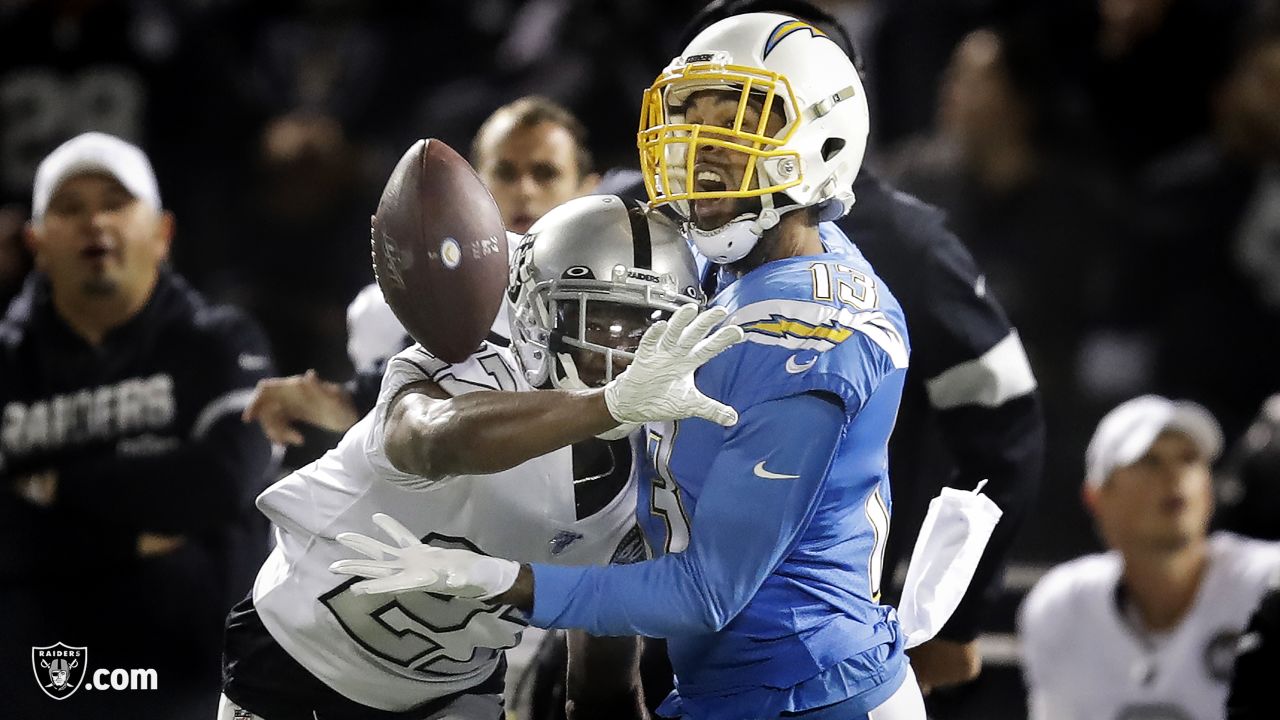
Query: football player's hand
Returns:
{"type": "Point", "coordinates": [658, 385]}
{"type": "Point", "coordinates": [278, 403]}
{"type": "Point", "coordinates": [412, 565]}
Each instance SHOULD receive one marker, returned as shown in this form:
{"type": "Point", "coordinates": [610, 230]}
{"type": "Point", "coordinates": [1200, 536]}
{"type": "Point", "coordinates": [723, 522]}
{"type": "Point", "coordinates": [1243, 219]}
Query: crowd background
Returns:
{"type": "Point", "coordinates": [1114, 165]}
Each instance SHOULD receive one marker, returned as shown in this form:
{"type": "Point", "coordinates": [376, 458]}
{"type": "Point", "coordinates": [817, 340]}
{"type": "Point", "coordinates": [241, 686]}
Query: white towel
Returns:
{"type": "Point", "coordinates": [947, 551]}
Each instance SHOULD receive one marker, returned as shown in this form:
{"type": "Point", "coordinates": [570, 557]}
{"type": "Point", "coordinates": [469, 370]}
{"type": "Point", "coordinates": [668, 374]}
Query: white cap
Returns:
{"type": "Point", "coordinates": [1127, 432]}
{"type": "Point", "coordinates": [90, 152]}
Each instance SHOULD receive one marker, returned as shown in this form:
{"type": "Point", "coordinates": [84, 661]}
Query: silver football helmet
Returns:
{"type": "Point", "coordinates": [587, 280]}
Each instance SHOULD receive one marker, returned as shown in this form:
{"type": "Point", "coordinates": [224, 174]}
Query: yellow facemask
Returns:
{"type": "Point", "coordinates": [669, 146]}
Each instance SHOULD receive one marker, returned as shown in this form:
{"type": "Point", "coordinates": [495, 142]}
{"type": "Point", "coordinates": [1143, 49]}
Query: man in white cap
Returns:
{"type": "Point", "coordinates": [126, 477]}
{"type": "Point", "coordinates": [1148, 629]}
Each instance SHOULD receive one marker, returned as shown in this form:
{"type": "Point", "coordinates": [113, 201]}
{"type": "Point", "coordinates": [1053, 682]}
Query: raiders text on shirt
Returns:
{"type": "Point", "coordinates": [91, 414]}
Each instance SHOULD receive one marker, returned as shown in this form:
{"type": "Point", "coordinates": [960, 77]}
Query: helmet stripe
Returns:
{"type": "Point", "coordinates": [640, 241]}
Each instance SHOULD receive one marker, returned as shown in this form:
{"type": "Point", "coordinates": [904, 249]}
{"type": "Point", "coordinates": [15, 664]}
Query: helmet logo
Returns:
{"type": "Point", "coordinates": [520, 266]}
{"type": "Point", "coordinates": [450, 253]}
{"type": "Point", "coordinates": [644, 276]}
{"type": "Point", "coordinates": [785, 29]}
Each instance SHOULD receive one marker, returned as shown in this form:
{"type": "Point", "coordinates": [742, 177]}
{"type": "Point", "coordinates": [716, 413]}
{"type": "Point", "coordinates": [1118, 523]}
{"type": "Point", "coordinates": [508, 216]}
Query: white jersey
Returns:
{"type": "Point", "coordinates": [1084, 661]}
{"type": "Point", "coordinates": [397, 652]}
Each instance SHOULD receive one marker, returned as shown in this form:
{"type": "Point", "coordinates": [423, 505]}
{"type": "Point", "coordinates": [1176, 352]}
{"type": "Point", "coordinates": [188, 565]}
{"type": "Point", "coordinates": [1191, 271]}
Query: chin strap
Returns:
{"type": "Point", "coordinates": [734, 240]}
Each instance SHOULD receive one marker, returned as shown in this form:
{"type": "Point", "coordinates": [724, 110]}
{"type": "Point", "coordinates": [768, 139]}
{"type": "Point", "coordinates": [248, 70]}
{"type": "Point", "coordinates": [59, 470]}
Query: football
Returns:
{"type": "Point", "coordinates": [440, 250]}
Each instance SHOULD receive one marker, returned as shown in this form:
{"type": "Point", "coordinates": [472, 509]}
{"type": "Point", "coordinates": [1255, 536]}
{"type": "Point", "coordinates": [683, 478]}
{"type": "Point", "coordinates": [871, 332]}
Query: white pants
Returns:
{"type": "Point", "coordinates": [905, 704]}
{"type": "Point", "coordinates": [466, 707]}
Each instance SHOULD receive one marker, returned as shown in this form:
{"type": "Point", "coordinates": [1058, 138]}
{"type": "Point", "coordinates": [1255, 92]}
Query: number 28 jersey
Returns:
{"type": "Point", "coordinates": [397, 652]}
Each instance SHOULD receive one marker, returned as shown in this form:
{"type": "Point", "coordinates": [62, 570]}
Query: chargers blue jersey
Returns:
{"type": "Point", "coordinates": [767, 576]}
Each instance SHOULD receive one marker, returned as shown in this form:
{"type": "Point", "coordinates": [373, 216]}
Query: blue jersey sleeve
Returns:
{"type": "Point", "coordinates": [753, 507]}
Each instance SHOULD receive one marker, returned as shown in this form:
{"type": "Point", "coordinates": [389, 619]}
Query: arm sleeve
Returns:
{"type": "Point", "coordinates": [743, 526]}
{"type": "Point", "coordinates": [981, 387]}
{"type": "Point", "coordinates": [208, 476]}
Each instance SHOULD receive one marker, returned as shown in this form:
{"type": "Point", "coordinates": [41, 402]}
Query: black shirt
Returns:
{"type": "Point", "coordinates": [144, 435]}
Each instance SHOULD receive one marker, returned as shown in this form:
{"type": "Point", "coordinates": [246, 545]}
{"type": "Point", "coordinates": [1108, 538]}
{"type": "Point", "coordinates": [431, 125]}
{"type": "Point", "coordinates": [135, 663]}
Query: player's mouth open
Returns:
{"type": "Point", "coordinates": [709, 181]}
{"type": "Point", "coordinates": [711, 212]}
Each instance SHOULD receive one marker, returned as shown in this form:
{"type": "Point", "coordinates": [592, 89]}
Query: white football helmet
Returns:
{"type": "Point", "coordinates": [811, 161]}
{"type": "Point", "coordinates": [601, 261]}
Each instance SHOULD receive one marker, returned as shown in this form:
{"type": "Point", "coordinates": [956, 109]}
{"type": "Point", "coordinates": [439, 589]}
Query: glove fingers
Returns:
{"type": "Point", "coordinates": [423, 580]}
{"type": "Point", "coordinates": [363, 568]}
{"type": "Point", "coordinates": [700, 326]}
{"type": "Point", "coordinates": [708, 409]}
{"type": "Point", "coordinates": [366, 545]}
{"type": "Point", "coordinates": [651, 338]}
{"type": "Point", "coordinates": [722, 339]}
{"type": "Point", "coordinates": [402, 535]}
{"type": "Point", "coordinates": [676, 325]}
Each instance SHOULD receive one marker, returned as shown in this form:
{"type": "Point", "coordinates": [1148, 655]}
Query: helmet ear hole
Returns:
{"type": "Point", "coordinates": [831, 147]}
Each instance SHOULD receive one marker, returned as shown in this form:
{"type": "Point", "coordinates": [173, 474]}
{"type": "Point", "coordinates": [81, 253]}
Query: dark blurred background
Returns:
{"type": "Point", "coordinates": [1114, 166]}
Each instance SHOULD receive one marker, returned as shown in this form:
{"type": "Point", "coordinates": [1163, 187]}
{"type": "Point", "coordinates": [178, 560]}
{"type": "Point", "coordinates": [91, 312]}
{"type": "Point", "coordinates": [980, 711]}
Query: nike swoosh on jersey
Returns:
{"type": "Point", "coordinates": [795, 368]}
{"type": "Point", "coordinates": [762, 473]}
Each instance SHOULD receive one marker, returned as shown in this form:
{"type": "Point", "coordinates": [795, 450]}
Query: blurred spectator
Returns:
{"type": "Point", "coordinates": [1041, 227]}
{"type": "Point", "coordinates": [305, 248]}
{"type": "Point", "coordinates": [1144, 68]}
{"type": "Point", "coordinates": [1150, 628]}
{"type": "Point", "coordinates": [533, 155]}
{"type": "Point", "coordinates": [1205, 257]}
{"type": "Point", "coordinates": [910, 45]}
{"type": "Point", "coordinates": [126, 479]}
{"type": "Point", "coordinates": [1024, 211]}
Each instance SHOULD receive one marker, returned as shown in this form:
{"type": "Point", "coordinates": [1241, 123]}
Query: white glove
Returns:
{"type": "Point", "coordinates": [416, 566]}
{"type": "Point", "coordinates": [658, 385]}
{"type": "Point", "coordinates": [619, 432]}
